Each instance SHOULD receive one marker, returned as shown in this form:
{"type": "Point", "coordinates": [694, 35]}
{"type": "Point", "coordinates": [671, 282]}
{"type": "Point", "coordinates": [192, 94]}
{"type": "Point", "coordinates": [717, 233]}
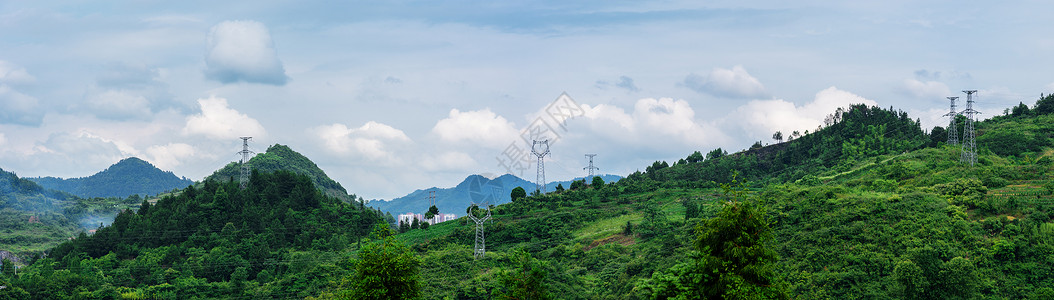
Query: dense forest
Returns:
{"type": "Point", "coordinates": [870, 205]}
{"type": "Point", "coordinates": [281, 157]}
{"type": "Point", "coordinates": [130, 176]}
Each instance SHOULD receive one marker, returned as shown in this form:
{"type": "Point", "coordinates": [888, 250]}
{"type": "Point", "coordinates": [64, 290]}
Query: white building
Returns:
{"type": "Point", "coordinates": [408, 218]}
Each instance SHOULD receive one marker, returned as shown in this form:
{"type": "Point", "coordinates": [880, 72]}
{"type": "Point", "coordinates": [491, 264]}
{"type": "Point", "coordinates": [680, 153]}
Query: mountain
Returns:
{"type": "Point", "coordinates": [474, 189]}
{"type": "Point", "coordinates": [130, 176]}
{"type": "Point", "coordinates": [281, 157]}
{"type": "Point", "coordinates": [34, 219]}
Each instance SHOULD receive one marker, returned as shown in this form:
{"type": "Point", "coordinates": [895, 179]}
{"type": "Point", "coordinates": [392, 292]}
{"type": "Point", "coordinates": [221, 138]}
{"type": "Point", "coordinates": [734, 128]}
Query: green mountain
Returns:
{"type": "Point", "coordinates": [474, 189]}
{"type": "Point", "coordinates": [34, 219]}
{"type": "Point", "coordinates": [130, 176]}
{"type": "Point", "coordinates": [870, 206]}
{"type": "Point", "coordinates": [281, 157]}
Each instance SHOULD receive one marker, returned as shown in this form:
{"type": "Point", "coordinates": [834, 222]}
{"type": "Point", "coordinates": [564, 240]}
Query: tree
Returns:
{"type": "Point", "coordinates": [756, 145]}
{"type": "Point", "coordinates": [778, 136]}
{"type": "Point", "coordinates": [732, 257]}
{"type": "Point", "coordinates": [386, 269]}
{"type": "Point", "coordinates": [432, 212]}
{"type": "Point", "coordinates": [938, 135]}
{"type": "Point", "coordinates": [597, 182]}
{"type": "Point", "coordinates": [527, 281]}
{"type": "Point", "coordinates": [578, 184]}
{"type": "Point", "coordinates": [795, 135]}
{"type": "Point", "coordinates": [695, 157]}
{"type": "Point", "coordinates": [519, 193]}
{"type": "Point", "coordinates": [716, 153]}
{"type": "Point", "coordinates": [560, 187]}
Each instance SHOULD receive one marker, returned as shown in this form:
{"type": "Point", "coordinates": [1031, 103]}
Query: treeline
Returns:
{"type": "Point", "coordinates": [216, 240]}
{"type": "Point", "coordinates": [281, 157]}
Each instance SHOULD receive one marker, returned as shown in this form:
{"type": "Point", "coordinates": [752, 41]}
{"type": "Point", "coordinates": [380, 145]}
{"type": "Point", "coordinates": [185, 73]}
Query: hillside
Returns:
{"type": "Point", "coordinates": [868, 207]}
{"type": "Point", "coordinates": [869, 219]}
{"type": "Point", "coordinates": [209, 242]}
{"type": "Point", "coordinates": [281, 157]}
{"type": "Point", "coordinates": [474, 189]}
{"type": "Point", "coordinates": [130, 176]}
{"type": "Point", "coordinates": [34, 219]}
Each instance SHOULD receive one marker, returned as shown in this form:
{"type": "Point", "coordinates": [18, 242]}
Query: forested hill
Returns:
{"type": "Point", "coordinates": [130, 176]}
{"type": "Point", "coordinates": [850, 136]}
{"type": "Point", "coordinates": [206, 242]}
{"type": "Point", "coordinates": [34, 219]}
{"type": "Point", "coordinates": [281, 157]}
{"type": "Point", "coordinates": [869, 206]}
{"type": "Point", "coordinates": [474, 189]}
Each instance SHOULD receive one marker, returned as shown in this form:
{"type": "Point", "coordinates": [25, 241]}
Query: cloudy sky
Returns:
{"type": "Point", "coordinates": [392, 96]}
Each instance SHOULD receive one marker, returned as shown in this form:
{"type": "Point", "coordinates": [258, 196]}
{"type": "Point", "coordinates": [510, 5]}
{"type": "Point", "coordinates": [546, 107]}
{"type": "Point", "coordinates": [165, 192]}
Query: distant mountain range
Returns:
{"type": "Point", "coordinates": [130, 176]}
{"type": "Point", "coordinates": [475, 188]}
{"type": "Point", "coordinates": [281, 157]}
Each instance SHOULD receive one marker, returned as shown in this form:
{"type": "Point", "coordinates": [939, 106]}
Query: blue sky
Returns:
{"type": "Point", "coordinates": [389, 97]}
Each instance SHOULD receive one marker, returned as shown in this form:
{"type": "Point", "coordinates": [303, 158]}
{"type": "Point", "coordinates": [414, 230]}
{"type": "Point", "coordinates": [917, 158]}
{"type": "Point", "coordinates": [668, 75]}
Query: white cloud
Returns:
{"type": "Point", "coordinates": [118, 105]}
{"type": "Point", "coordinates": [3, 139]}
{"type": "Point", "coordinates": [449, 161]}
{"type": "Point", "coordinates": [243, 51]}
{"type": "Point", "coordinates": [13, 74]}
{"type": "Point", "coordinates": [82, 153]}
{"type": "Point", "coordinates": [478, 126]}
{"type": "Point", "coordinates": [653, 122]}
{"type": "Point", "coordinates": [167, 156]}
{"type": "Point", "coordinates": [18, 108]}
{"type": "Point", "coordinates": [761, 118]}
{"type": "Point", "coordinates": [734, 83]}
{"type": "Point", "coordinates": [218, 121]}
{"type": "Point", "coordinates": [926, 90]}
{"type": "Point", "coordinates": [370, 140]}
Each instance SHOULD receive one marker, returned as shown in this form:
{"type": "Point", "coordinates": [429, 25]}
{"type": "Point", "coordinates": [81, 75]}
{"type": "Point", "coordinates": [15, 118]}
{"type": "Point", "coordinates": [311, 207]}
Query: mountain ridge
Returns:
{"type": "Point", "coordinates": [474, 189]}
{"type": "Point", "coordinates": [122, 179]}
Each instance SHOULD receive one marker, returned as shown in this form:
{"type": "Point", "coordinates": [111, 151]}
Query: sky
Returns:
{"type": "Point", "coordinates": [392, 96]}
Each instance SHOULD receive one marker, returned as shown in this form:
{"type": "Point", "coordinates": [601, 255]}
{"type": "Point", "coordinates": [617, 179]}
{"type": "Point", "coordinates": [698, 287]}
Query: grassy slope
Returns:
{"type": "Point", "coordinates": [840, 237]}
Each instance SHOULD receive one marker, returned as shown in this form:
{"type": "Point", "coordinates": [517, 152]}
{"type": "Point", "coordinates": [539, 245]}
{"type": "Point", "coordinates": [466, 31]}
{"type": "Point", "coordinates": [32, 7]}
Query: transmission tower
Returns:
{"type": "Point", "coordinates": [480, 247]}
{"type": "Point", "coordinates": [432, 202]}
{"type": "Point", "coordinates": [244, 180]}
{"type": "Point", "coordinates": [540, 183]}
{"type": "Point", "coordinates": [591, 168]}
{"type": "Point", "coordinates": [953, 132]}
{"type": "Point", "coordinates": [969, 148]}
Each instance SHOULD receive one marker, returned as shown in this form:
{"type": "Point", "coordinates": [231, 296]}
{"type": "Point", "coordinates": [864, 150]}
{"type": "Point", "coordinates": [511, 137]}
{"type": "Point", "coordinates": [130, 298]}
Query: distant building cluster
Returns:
{"type": "Point", "coordinates": [408, 218]}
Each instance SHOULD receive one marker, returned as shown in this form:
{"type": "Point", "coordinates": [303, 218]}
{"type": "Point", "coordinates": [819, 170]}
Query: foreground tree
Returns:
{"type": "Point", "coordinates": [526, 281]}
{"type": "Point", "coordinates": [733, 257]}
{"type": "Point", "coordinates": [386, 269]}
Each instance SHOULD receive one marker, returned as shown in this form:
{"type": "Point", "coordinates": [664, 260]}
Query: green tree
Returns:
{"type": "Point", "coordinates": [386, 269]}
{"type": "Point", "coordinates": [778, 136]}
{"type": "Point", "coordinates": [519, 193]}
{"type": "Point", "coordinates": [560, 187]}
{"type": "Point", "coordinates": [695, 157]}
{"type": "Point", "coordinates": [715, 154]}
{"type": "Point", "coordinates": [527, 281]}
{"type": "Point", "coordinates": [597, 182]}
{"type": "Point", "coordinates": [432, 212]}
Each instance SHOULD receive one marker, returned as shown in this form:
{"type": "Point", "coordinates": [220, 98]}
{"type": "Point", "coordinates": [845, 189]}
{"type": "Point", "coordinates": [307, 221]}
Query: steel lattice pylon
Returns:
{"type": "Point", "coordinates": [969, 145]}
{"type": "Point", "coordinates": [953, 132]}
{"type": "Point", "coordinates": [480, 247]}
{"type": "Point", "coordinates": [591, 168]}
{"type": "Point", "coordinates": [540, 183]}
{"type": "Point", "coordinates": [244, 180]}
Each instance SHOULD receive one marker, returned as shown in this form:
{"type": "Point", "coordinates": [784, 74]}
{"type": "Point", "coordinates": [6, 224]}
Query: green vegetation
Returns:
{"type": "Point", "coordinates": [130, 176]}
{"type": "Point", "coordinates": [869, 206]}
{"type": "Point", "coordinates": [277, 238]}
{"type": "Point", "coordinates": [281, 157]}
{"type": "Point", "coordinates": [34, 219]}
